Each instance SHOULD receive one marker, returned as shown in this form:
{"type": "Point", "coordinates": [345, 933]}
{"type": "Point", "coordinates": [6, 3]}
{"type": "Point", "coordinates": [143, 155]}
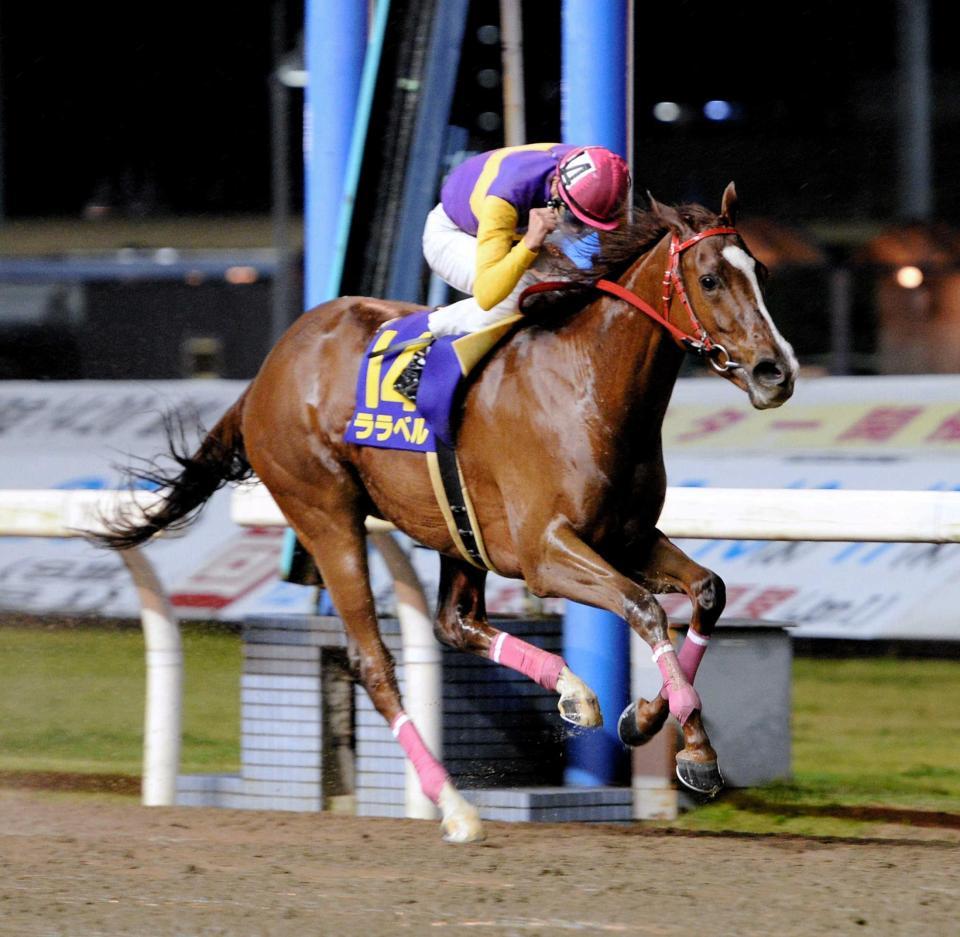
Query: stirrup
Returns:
{"type": "Point", "coordinates": [408, 381]}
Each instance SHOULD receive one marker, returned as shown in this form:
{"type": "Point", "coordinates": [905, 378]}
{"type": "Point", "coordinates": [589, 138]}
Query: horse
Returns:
{"type": "Point", "coordinates": [559, 444]}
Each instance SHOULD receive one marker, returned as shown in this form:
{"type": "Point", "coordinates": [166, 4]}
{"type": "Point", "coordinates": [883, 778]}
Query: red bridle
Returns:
{"type": "Point", "coordinates": [699, 342]}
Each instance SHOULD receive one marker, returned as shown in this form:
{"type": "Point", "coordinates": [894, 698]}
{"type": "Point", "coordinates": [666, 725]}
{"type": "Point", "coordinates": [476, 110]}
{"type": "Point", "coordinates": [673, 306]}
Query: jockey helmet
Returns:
{"type": "Point", "coordinates": [592, 181]}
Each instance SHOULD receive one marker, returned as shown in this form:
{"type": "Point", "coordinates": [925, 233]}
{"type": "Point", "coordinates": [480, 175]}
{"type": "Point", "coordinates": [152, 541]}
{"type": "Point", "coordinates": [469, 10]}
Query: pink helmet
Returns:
{"type": "Point", "coordinates": [593, 183]}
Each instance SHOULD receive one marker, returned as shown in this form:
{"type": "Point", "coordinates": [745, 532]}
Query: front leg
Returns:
{"type": "Point", "coordinates": [664, 567]}
{"type": "Point", "coordinates": [566, 566]}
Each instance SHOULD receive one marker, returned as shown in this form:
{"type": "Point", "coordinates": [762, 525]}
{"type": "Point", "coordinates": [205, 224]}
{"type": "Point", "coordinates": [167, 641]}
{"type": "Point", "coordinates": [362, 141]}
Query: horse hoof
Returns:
{"type": "Point", "coordinates": [464, 828]}
{"type": "Point", "coordinates": [578, 704]}
{"type": "Point", "coordinates": [702, 778]}
{"type": "Point", "coordinates": [581, 711]}
{"type": "Point", "coordinates": [632, 734]}
{"type": "Point", "coordinates": [461, 820]}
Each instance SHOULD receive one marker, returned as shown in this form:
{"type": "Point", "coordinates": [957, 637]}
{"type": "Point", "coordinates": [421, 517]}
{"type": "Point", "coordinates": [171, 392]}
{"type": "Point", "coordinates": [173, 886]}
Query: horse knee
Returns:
{"type": "Point", "coordinates": [710, 596]}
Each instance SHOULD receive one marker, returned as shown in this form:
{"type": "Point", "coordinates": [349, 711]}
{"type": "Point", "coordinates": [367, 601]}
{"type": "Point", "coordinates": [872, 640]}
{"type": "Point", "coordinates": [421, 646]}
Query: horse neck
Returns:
{"type": "Point", "coordinates": [639, 355]}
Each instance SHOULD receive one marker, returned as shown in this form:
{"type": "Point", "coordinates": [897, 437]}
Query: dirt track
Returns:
{"type": "Point", "coordinates": [84, 869]}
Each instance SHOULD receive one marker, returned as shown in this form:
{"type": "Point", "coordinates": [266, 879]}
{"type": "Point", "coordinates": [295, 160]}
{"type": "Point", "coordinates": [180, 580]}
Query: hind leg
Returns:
{"type": "Point", "coordinates": [462, 623]}
{"type": "Point", "coordinates": [337, 540]}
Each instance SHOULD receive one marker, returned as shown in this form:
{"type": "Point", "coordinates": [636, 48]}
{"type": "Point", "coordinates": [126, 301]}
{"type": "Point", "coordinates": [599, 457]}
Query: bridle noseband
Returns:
{"type": "Point", "coordinates": [699, 342]}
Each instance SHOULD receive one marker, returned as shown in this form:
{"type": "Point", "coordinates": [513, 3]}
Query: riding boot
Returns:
{"type": "Point", "coordinates": [408, 381]}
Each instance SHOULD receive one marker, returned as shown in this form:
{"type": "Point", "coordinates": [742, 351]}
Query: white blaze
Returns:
{"type": "Point", "coordinates": [739, 258]}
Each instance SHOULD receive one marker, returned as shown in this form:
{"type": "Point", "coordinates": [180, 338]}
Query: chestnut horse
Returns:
{"type": "Point", "coordinates": [560, 449]}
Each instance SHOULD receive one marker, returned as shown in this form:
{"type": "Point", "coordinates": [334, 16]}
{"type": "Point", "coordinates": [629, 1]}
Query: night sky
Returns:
{"type": "Point", "coordinates": [166, 111]}
{"type": "Point", "coordinates": [145, 106]}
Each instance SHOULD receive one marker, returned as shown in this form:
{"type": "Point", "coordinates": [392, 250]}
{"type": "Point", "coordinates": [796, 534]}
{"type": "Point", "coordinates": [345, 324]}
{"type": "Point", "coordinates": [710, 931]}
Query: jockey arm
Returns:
{"type": "Point", "coordinates": [500, 262]}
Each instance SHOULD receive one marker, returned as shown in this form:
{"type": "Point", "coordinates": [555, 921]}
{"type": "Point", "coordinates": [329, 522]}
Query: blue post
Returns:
{"type": "Point", "coordinates": [335, 49]}
{"type": "Point", "coordinates": [335, 44]}
{"type": "Point", "coordinates": [593, 111]}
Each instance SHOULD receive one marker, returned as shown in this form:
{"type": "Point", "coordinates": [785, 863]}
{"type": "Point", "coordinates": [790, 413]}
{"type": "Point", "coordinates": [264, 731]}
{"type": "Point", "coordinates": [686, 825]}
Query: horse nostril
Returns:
{"type": "Point", "coordinates": [769, 373]}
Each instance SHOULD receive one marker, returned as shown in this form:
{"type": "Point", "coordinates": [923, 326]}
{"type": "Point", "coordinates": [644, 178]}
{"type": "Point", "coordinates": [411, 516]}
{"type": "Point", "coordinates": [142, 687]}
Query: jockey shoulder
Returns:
{"type": "Point", "coordinates": [513, 198]}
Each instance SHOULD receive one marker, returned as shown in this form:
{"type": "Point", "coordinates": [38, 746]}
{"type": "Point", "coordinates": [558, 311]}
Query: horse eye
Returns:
{"type": "Point", "coordinates": [709, 282]}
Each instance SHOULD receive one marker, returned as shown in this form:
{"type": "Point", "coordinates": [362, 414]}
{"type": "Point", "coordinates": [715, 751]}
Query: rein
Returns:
{"type": "Point", "coordinates": [699, 342]}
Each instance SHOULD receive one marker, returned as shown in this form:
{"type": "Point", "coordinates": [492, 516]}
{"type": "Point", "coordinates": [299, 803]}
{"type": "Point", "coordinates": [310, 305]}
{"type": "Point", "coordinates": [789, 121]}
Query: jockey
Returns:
{"type": "Point", "coordinates": [496, 212]}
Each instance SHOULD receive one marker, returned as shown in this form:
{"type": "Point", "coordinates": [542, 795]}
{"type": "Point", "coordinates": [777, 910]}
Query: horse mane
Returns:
{"type": "Point", "coordinates": [619, 249]}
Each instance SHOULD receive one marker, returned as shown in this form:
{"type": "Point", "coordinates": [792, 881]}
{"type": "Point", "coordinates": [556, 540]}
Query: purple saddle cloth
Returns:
{"type": "Point", "coordinates": [386, 419]}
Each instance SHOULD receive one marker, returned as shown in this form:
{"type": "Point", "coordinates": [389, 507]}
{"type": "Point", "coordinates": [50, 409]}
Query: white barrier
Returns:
{"type": "Point", "coordinates": [30, 513]}
{"type": "Point", "coordinates": [74, 513]}
{"type": "Point", "coordinates": [711, 513]}
{"type": "Point", "coordinates": [708, 513]}
{"type": "Point", "coordinates": [752, 514]}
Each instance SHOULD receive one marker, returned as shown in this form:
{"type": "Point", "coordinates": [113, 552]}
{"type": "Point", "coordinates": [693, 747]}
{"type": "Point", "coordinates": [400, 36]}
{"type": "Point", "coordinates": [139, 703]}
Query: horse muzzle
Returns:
{"type": "Point", "coordinates": [770, 382]}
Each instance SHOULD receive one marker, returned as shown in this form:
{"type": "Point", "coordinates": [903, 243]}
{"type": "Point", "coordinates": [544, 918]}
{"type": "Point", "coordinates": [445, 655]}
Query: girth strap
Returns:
{"type": "Point", "coordinates": [454, 502]}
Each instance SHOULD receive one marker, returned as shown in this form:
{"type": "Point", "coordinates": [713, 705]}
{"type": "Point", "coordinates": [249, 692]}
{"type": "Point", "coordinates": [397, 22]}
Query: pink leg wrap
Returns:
{"type": "Point", "coordinates": [681, 695]}
{"type": "Point", "coordinates": [431, 773]}
{"type": "Point", "coordinates": [533, 662]}
{"type": "Point", "coordinates": [691, 652]}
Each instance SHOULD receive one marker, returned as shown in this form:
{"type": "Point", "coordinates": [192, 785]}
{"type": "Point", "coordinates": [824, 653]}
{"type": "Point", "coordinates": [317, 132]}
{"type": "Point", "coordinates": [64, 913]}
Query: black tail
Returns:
{"type": "Point", "coordinates": [220, 459]}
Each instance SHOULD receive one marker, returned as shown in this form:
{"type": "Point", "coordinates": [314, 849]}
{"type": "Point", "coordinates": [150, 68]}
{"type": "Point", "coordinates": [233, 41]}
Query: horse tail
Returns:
{"type": "Point", "coordinates": [220, 458]}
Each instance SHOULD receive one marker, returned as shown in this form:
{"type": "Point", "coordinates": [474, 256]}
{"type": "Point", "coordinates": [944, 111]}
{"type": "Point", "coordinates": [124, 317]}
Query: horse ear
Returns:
{"type": "Point", "coordinates": [728, 207]}
{"type": "Point", "coordinates": [668, 216]}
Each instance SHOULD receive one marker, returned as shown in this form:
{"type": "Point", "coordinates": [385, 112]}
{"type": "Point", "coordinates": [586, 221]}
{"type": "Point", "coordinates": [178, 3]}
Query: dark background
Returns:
{"type": "Point", "coordinates": [163, 109]}
{"type": "Point", "coordinates": [137, 127]}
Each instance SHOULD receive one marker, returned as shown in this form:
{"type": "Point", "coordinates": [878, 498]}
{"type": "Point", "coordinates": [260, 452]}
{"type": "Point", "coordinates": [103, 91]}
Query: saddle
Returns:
{"type": "Point", "coordinates": [410, 389]}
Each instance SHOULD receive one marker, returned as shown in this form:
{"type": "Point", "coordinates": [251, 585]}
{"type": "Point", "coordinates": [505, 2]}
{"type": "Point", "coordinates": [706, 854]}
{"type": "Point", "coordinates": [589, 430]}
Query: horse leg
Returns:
{"type": "Point", "coordinates": [667, 568]}
{"type": "Point", "coordinates": [337, 541]}
{"type": "Point", "coordinates": [571, 568]}
{"type": "Point", "coordinates": [462, 623]}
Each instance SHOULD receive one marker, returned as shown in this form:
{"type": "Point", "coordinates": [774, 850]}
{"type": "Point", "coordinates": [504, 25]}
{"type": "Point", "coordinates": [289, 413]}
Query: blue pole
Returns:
{"type": "Point", "coordinates": [593, 111]}
{"type": "Point", "coordinates": [335, 44]}
{"type": "Point", "coordinates": [335, 49]}
{"type": "Point", "coordinates": [361, 123]}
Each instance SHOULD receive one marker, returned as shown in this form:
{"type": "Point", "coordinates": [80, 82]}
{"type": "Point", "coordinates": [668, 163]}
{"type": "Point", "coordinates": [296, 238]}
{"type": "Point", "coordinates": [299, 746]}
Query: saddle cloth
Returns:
{"type": "Point", "coordinates": [383, 417]}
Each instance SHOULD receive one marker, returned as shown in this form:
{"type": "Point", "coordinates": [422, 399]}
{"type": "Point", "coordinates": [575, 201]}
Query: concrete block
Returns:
{"type": "Point", "coordinates": [280, 713]}
{"type": "Point", "coordinates": [368, 778]}
{"type": "Point", "coordinates": [281, 759]}
{"type": "Point", "coordinates": [207, 783]}
{"type": "Point", "coordinates": [298, 668]}
{"type": "Point", "coordinates": [284, 683]}
{"type": "Point", "coordinates": [277, 697]}
{"type": "Point", "coordinates": [272, 743]}
{"type": "Point", "coordinates": [286, 652]}
{"type": "Point", "coordinates": [286, 727]}
{"type": "Point", "coordinates": [286, 789]}
{"type": "Point", "coordinates": [282, 773]}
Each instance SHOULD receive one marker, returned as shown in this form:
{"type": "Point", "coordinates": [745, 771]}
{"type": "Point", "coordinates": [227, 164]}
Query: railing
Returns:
{"type": "Point", "coordinates": [755, 514]}
{"type": "Point", "coordinates": [43, 513]}
{"type": "Point", "coordinates": [31, 513]}
{"type": "Point", "coordinates": [711, 513]}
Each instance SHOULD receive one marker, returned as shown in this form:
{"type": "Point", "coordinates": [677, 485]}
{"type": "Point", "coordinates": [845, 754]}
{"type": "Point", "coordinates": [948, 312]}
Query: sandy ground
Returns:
{"type": "Point", "coordinates": [81, 868]}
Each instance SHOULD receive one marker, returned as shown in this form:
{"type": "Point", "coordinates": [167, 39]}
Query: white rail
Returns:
{"type": "Point", "coordinates": [45, 513]}
{"type": "Point", "coordinates": [32, 513]}
{"type": "Point", "coordinates": [709, 513]}
{"type": "Point", "coordinates": [755, 514]}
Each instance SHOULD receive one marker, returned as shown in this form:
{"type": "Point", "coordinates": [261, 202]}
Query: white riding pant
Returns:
{"type": "Point", "coordinates": [452, 256]}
